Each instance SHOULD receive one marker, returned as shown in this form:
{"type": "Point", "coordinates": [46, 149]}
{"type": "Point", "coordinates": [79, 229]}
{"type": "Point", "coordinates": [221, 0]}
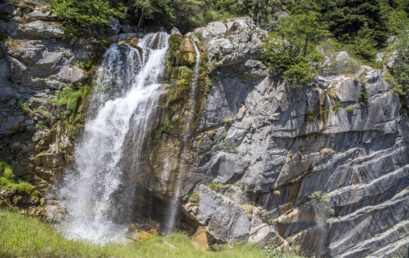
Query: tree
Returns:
{"type": "Point", "coordinates": [400, 70]}
{"type": "Point", "coordinates": [347, 17]}
{"type": "Point", "coordinates": [291, 48]}
{"type": "Point", "coordinates": [79, 15]}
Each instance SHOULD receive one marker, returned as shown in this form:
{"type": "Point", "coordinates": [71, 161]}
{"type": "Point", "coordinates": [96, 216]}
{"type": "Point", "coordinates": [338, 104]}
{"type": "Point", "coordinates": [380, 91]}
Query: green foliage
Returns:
{"type": "Point", "coordinates": [395, 13]}
{"type": "Point", "coordinates": [350, 108]}
{"type": "Point", "coordinates": [216, 185]}
{"type": "Point", "coordinates": [23, 236]}
{"type": "Point", "coordinates": [311, 116]}
{"type": "Point", "coordinates": [363, 98]}
{"type": "Point", "coordinates": [71, 116]}
{"type": "Point", "coordinates": [25, 107]}
{"type": "Point", "coordinates": [271, 251]}
{"type": "Point", "coordinates": [400, 70]}
{"type": "Point", "coordinates": [291, 49]}
{"type": "Point", "coordinates": [322, 201]}
{"type": "Point", "coordinates": [70, 98]}
{"type": "Point", "coordinates": [82, 15]}
{"type": "Point", "coordinates": [10, 181]}
{"type": "Point", "coordinates": [193, 196]}
{"type": "Point", "coordinates": [224, 135]}
{"type": "Point", "coordinates": [337, 106]}
{"type": "Point", "coordinates": [85, 64]}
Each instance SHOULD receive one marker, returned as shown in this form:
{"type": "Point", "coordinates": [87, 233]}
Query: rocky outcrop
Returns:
{"type": "Point", "coordinates": [36, 63]}
{"type": "Point", "coordinates": [275, 148]}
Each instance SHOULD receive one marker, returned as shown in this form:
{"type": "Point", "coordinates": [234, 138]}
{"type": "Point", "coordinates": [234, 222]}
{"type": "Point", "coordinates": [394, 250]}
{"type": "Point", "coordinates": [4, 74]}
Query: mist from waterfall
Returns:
{"type": "Point", "coordinates": [125, 98]}
{"type": "Point", "coordinates": [173, 208]}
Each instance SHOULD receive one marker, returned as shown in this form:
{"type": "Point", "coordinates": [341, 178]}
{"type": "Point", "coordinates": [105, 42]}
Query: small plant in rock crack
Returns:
{"type": "Point", "coordinates": [323, 202]}
{"type": "Point", "coordinates": [350, 108]}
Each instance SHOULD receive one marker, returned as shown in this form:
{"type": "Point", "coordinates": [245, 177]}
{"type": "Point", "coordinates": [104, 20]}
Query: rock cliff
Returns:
{"type": "Point", "coordinates": [322, 168]}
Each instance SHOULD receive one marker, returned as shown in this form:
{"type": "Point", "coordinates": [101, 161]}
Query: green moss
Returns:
{"type": "Point", "coordinates": [10, 181]}
{"type": "Point", "coordinates": [337, 106]}
{"type": "Point", "coordinates": [193, 196]}
{"type": "Point", "coordinates": [311, 116]}
{"type": "Point", "coordinates": [71, 116]}
{"type": "Point", "coordinates": [25, 107]}
{"type": "Point", "coordinates": [216, 185]}
{"type": "Point", "coordinates": [350, 108]}
{"type": "Point", "coordinates": [68, 97]}
{"type": "Point", "coordinates": [224, 135]}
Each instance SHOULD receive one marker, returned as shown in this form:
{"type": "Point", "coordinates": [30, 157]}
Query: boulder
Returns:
{"type": "Point", "coordinates": [226, 221]}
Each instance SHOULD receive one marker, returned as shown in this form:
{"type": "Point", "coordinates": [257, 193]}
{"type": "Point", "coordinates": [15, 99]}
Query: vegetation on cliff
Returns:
{"type": "Point", "coordinates": [9, 180]}
{"type": "Point", "coordinates": [292, 48]}
{"type": "Point", "coordinates": [400, 70]}
{"type": "Point", "coordinates": [71, 104]}
{"type": "Point", "coordinates": [361, 27]}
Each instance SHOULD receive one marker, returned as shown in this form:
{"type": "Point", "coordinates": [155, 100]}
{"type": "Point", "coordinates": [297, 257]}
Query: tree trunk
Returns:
{"type": "Point", "coordinates": [140, 18]}
{"type": "Point", "coordinates": [305, 46]}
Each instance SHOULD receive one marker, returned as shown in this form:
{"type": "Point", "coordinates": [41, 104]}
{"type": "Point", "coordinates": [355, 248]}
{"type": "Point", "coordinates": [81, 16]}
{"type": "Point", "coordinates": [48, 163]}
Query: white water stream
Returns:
{"type": "Point", "coordinates": [128, 88]}
{"type": "Point", "coordinates": [173, 208]}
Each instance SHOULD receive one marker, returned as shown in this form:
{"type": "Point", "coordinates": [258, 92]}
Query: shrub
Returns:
{"type": "Point", "coordinates": [326, 151]}
{"type": "Point", "coordinates": [291, 49]}
{"type": "Point", "coordinates": [216, 185]}
{"type": "Point", "coordinates": [400, 70]}
{"type": "Point", "coordinates": [363, 98]}
{"type": "Point", "coordinates": [80, 15]}
{"type": "Point", "coordinates": [10, 181]}
{"type": "Point", "coordinates": [322, 201]}
{"type": "Point", "coordinates": [350, 108]}
{"type": "Point", "coordinates": [70, 98]}
{"type": "Point", "coordinates": [337, 106]}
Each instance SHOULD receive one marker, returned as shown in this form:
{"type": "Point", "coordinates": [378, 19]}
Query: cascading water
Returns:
{"type": "Point", "coordinates": [174, 204]}
{"type": "Point", "coordinates": [126, 96]}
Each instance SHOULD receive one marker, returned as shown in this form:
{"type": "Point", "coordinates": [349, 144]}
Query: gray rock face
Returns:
{"type": "Point", "coordinates": [41, 29]}
{"type": "Point", "coordinates": [35, 62]}
{"type": "Point", "coordinates": [281, 144]}
{"type": "Point", "coordinates": [225, 219]}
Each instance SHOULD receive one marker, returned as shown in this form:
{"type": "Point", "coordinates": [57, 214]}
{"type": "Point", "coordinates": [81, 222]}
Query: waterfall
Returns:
{"type": "Point", "coordinates": [175, 201]}
{"type": "Point", "coordinates": [124, 100]}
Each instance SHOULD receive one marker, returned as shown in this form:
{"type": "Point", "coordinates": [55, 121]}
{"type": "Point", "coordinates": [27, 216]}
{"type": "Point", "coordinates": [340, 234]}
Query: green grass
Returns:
{"type": "Point", "coordinates": [10, 181]}
{"type": "Point", "coordinates": [70, 98]}
{"type": "Point", "coordinates": [24, 236]}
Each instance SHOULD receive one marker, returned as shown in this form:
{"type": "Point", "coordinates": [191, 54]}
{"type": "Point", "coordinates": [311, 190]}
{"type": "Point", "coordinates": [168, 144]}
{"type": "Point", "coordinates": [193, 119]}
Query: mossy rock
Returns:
{"type": "Point", "coordinates": [181, 52]}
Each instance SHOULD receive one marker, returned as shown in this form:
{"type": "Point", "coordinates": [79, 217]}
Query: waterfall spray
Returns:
{"type": "Point", "coordinates": [124, 100]}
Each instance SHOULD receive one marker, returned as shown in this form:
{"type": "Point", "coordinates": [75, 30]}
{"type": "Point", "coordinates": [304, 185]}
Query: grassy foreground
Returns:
{"type": "Point", "coordinates": [23, 236]}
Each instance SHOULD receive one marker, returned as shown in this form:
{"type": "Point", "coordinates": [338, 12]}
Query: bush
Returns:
{"type": "Point", "coordinates": [10, 181]}
{"type": "Point", "coordinates": [291, 49]}
{"type": "Point", "coordinates": [400, 70]}
{"type": "Point", "coordinates": [322, 201]}
{"type": "Point", "coordinates": [70, 98]}
{"type": "Point", "coordinates": [82, 15]}
{"type": "Point", "coordinates": [350, 108]}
